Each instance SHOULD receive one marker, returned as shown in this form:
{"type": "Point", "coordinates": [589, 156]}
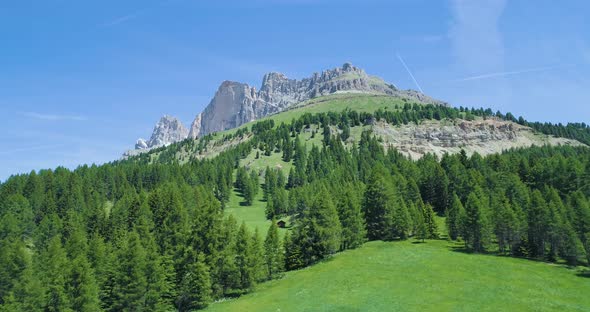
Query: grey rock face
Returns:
{"type": "Point", "coordinates": [195, 130]}
{"type": "Point", "coordinates": [167, 131]}
{"type": "Point", "coordinates": [141, 144]}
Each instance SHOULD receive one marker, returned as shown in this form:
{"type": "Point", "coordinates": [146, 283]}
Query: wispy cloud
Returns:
{"type": "Point", "coordinates": [511, 73]}
{"type": "Point", "coordinates": [53, 117]}
{"type": "Point", "coordinates": [409, 72]}
{"type": "Point", "coordinates": [476, 39]}
{"type": "Point", "coordinates": [31, 149]}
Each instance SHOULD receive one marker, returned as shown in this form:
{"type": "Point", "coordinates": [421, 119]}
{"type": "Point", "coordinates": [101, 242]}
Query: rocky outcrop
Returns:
{"type": "Point", "coordinates": [167, 131]}
{"type": "Point", "coordinates": [141, 144]}
{"type": "Point", "coordinates": [482, 136]}
{"type": "Point", "coordinates": [195, 130]}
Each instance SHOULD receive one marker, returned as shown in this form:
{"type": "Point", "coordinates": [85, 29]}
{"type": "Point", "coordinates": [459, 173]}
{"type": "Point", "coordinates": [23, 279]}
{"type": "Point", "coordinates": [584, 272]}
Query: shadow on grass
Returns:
{"type": "Point", "coordinates": [418, 242]}
{"type": "Point", "coordinates": [584, 273]}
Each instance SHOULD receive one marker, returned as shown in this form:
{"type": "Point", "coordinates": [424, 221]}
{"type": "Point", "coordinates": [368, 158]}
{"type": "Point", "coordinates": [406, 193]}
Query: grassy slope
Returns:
{"type": "Point", "coordinates": [330, 103]}
{"type": "Point", "coordinates": [403, 276]}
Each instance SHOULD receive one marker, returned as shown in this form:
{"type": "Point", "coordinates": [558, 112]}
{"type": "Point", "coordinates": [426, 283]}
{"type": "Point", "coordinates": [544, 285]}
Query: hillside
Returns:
{"type": "Point", "coordinates": [196, 222]}
{"type": "Point", "coordinates": [466, 132]}
{"type": "Point", "coordinates": [431, 276]}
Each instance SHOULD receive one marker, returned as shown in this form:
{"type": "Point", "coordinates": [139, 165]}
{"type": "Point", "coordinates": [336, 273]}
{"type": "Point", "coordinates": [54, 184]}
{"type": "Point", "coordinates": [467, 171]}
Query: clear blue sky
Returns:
{"type": "Point", "coordinates": [80, 81]}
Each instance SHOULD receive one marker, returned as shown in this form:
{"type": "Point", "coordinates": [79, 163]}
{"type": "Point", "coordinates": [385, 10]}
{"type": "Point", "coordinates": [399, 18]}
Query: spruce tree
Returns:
{"type": "Point", "coordinates": [55, 277]}
{"type": "Point", "coordinates": [376, 204]}
{"type": "Point", "coordinates": [320, 230]}
{"type": "Point", "coordinates": [83, 289]}
{"type": "Point", "coordinates": [352, 219]}
{"type": "Point", "coordinates": [273, 253]}
{"type": "Point", "coordinates": [293, 254]}
{"type": "Point", "coordinates": [129, 285]}
{"type": "Point", "coordinates": [453, 219]}
{"type": "Point", "coordinates": [476, 226]}
{"type": "Point", "coordinates": [430, 221]}
{"type": "Point", "coordinates": [195, 287]}
{"type": "Point", "coordinates": [258, 260]}
{"type": "Point", "coordinates": [244, 254]}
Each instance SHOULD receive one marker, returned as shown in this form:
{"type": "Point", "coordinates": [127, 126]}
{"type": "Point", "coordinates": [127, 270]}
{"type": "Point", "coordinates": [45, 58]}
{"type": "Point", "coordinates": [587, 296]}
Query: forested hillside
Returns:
{"type": "Point", "coordinates": [150, 233]}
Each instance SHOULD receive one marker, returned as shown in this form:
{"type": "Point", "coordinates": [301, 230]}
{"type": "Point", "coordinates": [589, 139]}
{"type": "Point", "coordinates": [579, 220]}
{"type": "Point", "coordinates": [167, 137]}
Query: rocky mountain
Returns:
{"type": "Point", "coordinates": [236, 103]}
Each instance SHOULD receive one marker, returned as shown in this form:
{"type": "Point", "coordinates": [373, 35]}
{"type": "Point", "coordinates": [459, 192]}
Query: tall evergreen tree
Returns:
{"type": "Point", "coordinates": [273, 253]}
{"type": "Point", "coordinates": [55, 277]}
{"type": "Point", "coordinates": [244, 254]}
{"type": "Point", "coordinates": [130, 282]}
{"type": "Point", "coordinates": [476, 226]}
{"type": "Point", "coordinates": [453, 219]}
{"type": "Point", "coordinates": [352, 219]}
{"type": "Point", "coordinates": [376, 204]}
{"type": "Point", "coordinates": [319, 233]}
{"type": "Point", "coordinates": [195, 286]}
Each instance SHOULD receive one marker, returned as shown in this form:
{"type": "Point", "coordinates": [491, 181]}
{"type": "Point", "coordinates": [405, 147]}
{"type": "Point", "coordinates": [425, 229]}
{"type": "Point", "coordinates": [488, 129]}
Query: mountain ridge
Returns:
{"type": "Point", "coordinates": [236, 103]}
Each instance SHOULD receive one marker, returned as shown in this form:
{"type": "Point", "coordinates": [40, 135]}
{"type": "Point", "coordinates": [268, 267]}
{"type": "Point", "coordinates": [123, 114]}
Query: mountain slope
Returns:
{"type": "Point", "coordinates": [466, 132]}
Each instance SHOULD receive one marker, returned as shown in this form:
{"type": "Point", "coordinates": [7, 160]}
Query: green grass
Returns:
{"type": "Point", "coordinates": [360, 102]}
{"type": "Point", "coordinates": [253, 216]}
{"type": "Point", "coordinates": [402, 276]}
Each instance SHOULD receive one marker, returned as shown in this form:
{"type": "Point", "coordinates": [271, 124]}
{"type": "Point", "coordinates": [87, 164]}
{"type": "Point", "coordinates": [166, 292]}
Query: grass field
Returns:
{"type": "Point", "coordinates": [253, 216]}
{"type": "Point", "coordinates": [433, 276]}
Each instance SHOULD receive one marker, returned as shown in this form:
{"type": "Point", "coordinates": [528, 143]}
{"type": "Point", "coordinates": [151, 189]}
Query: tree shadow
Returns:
{"type": "Point", "coordinates": [584, 273]}
{"type": "Point", "coordinates": [419, 242]}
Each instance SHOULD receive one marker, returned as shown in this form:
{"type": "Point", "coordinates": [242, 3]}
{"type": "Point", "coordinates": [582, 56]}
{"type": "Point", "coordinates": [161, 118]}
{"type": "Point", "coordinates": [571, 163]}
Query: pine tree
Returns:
{"type": "Point", "coordinates": [352, 220]}
{"type": "Point", "coordinates": [195, 286]}
{"type": "Point", "coordinates": [273, 253]}
{"type": "Point", "coordinates": [376, 204]}
{"type": "Point", "coordinates": [421, 229]}
{"type": "Point", "coordinates": [319, 233]}
{"type": "Point", "coordinates": [538, 224]}
{"type": "Point", "coordinates": [244, 254]}
{"type": "Point", "coordinates": [430, 221]}
{"type": "Point", "coordinates": [130, 281]}
{"type": "Point", "coordinates": [399, 219]}
{"type": "Point", "coordinates": [55, 277]}
{"type": "Point", "coordinates": [476, 227]}
{"type": "Point", "coordinates": [293, 253]}
{"type": "Point", "coordinates": [83, 290]}
{"type": "Point", "coordinates": [453, 219]}
{"type": "Point", "coordinates": [258, 261]}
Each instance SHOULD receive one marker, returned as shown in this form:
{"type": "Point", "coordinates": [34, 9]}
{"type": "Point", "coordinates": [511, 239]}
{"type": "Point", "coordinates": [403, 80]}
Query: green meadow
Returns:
{"type": "Point", "coordinates": [410, 276]}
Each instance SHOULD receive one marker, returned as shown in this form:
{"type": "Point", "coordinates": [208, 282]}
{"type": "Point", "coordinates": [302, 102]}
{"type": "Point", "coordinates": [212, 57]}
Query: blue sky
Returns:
{"type": "Point", "coordinates": [80, 81]}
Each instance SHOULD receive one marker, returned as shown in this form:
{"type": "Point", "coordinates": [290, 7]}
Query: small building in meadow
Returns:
{"type": "Point", "coordinates": [281, 224]}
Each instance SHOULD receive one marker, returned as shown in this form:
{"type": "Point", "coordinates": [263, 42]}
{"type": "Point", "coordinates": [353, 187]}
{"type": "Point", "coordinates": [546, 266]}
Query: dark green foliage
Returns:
{"type": "Point", "coordinates": [429, 221]}
{"type": "Point", "coordinates": [319, 232]}
{"type": "Point", "coordinates": [273, 252]}
{"type": "Point", "coordinates": [453, 220]}
{"type": "Point", "coordinates": [475, 224]}
{"type": "Point", "coordinates": [195, 286]}
{"type": "Point", "coordinates": [352, 219]}
{"type": "Point", "coordinates": [376, 204]}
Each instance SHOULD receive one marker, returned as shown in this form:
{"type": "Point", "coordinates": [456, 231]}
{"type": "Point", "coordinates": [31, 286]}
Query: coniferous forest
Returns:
{"type": "Point", "coordinates": [145, 235]}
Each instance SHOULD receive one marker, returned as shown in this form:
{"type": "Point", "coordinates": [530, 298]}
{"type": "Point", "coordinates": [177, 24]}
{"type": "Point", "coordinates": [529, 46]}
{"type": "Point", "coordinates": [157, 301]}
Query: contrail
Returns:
{"type": "Point", "coordinates": [135, 14]}
{"type": "Point", "coordinates": [510, 73]}
{"type": "Point", "coordinates": [409, 72]}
